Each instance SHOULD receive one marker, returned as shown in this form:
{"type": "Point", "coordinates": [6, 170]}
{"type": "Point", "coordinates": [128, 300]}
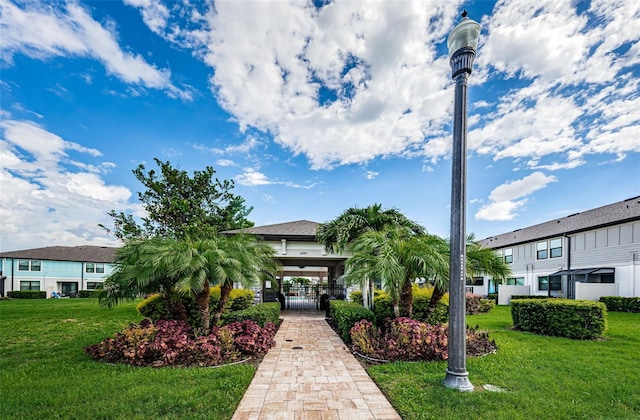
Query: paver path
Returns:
{"type": "Point", "coordinates": [310, 374]}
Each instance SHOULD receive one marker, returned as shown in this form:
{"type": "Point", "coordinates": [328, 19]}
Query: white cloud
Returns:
{"type": "Point", "coordinates": [506, 199]}
{"type": "Point", "coordinates": [154, 13]}
{"type": "Point", "coordinates": [249, 144]}
{"type": "Point", "coordinates": [41, 31]}
{"type": "Point", "coordinates": [225, 162]}
{"type": "Point", "coordinates": [252, 178]}
{"type": "Point", "coordinates": [341, 84]}
{"type": "Point", "coordinates": [371, 174]}
{"type": "Point", "coordinates": [60, 201]}
{"type": "Point", "coordinates": [353, 81]}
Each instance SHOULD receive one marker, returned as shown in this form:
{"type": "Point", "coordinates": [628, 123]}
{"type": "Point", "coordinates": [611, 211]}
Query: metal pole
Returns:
{"type": "Point", "coordinates": [457, 376]}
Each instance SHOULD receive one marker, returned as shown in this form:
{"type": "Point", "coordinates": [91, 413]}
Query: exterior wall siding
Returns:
{"type": "Point", "coordinates": [615, 246]}
{"type": "Point", "coordinates": [51, 274]}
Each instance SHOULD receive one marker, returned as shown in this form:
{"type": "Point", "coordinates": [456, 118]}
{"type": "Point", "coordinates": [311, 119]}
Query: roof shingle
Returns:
{"type": "Point", "coordinates": [620, 212]}
{"type": "Point", "coordinates": [85, 253]}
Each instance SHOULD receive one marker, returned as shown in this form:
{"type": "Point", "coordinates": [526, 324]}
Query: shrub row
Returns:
{"type": "Point", "coordinates": [575, 319]}
{"type": "Point", "coordinates": [27, 294]}
{"type": "Point", "coordinates": [346, 314]}
{"type": "Point", "coordinates": [531, 297]}
{"type": "Point", "coordinates": [88, 293]}
{"type": "Point", "coordinates": [261, 313]}
{"type": "Point", "coordinates": [493, 297]}
{"type": "Point", "coordinates": [621, 304]}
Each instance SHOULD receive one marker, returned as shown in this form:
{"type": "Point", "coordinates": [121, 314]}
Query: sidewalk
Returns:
{"type": "Point", "coordinates": [310, 374]}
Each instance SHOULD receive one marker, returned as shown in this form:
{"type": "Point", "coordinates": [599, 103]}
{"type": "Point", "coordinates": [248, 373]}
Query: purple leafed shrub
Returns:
{"type": "Point", "coordinates": [172, 343]}
{"type": "Point", "coordinates": [249, 338]}
{"type": "Point", "coordinates": [411, 340]}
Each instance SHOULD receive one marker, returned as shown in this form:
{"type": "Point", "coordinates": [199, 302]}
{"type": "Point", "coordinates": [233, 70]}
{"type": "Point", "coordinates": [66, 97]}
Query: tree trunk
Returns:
{"type": "Point", "coordinates": [202, 300]}
{"type": "Point", "coordinates": [225, 291]}
{"type": "Point", "coordinates": [406, 299]}
{"type": "Point", "coordinates": [433, 302]}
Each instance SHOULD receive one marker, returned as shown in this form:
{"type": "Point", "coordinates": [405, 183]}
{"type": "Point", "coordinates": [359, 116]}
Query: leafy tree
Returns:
{"type": "Point", "coordinates": [353, 222]}
{"type": "Point", "coordinates": [186, 266]}
{"type": "Point", "coordinates": [397, 257]}
{"type": "Point", "coordinates": [178, 205]}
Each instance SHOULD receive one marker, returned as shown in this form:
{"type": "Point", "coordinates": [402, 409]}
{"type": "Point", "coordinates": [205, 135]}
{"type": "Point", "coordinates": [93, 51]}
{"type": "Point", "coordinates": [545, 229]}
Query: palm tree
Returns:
{"type": "Point", "coordinates": [480, 260]}
{"type": "Point", "coordinates": [397, 257]}
{"type": "Point", "coordinates": [188, 266]}
{"type": "Point", "coordinates": [337, 233]}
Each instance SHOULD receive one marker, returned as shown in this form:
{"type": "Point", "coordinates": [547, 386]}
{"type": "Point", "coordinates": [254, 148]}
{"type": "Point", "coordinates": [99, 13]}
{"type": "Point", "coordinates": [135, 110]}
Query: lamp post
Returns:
{"type": "Point", "coordinates": [462, 43]}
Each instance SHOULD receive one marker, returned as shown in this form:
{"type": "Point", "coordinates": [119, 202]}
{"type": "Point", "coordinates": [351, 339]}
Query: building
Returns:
{"type": "Point", "coordinates": [67, 270]}
{"type": "Point", "coordinates": [581, 256]}
{"type": "Point", "coordinates": [62, 269]}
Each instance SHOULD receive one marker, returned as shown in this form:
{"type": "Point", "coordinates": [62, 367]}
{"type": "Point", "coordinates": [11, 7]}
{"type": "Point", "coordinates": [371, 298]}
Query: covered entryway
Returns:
{"type": "Point", "coordinates": [309, 275]}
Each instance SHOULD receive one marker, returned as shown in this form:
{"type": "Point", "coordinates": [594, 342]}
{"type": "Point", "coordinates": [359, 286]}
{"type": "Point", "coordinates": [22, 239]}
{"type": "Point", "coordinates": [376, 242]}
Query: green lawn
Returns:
{"type": "Point", "coordinates": [542, 377]}
{"type": "Point", "coordinates": [45, 374]}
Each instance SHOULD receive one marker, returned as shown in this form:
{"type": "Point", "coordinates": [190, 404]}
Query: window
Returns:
{"type": "Point", "coordinates": [93, 268]}
{"type": "Point", "coordinates": [29, 265]}
{"type": "Point", "coordinates": [542, 250]}
{"type": "Point", "coordinates": [92, 285]}
{"type": "Point", "coordinates": [476, 281]}
{"type": "Point", "coordinates": [607, 278]}
{"type": "Point", "coordinates": [29, 285]}
{"type": "Point", "coordinates": [508, 255]}
{"type": "Point", "coordinates": [515, 281]}
{"type": "Point", "coordinates": [556, 283]}
{"type": "Point", "coordinates": [556, 247]}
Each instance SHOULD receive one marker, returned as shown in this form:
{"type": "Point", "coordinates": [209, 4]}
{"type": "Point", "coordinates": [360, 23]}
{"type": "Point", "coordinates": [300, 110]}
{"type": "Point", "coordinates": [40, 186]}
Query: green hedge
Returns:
{"type": "Point", "coordinates": [345, 314]}
{"type": "Point", "coordinates": [621, 304]}
{"type": "Point", "coordinates": [531, 297]}
{"type": "Point", "coordinates": [260, 313]}
{"type": "Point", "coordinates": [27, 294]}
{"type": "Point", "coordinates": [575, 319]}
{"type": "Point", "coordinates": [88, 293]}
{"type": "Point", "coordinates": [493, 296]}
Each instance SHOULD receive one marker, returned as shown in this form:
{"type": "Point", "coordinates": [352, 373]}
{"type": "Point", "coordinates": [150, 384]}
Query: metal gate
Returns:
{"type": "Point", "coordinates": [312, 296]}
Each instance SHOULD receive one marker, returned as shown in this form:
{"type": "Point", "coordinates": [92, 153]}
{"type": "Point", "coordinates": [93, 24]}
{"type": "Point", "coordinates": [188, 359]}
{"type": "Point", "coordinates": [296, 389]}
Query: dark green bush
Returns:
{"type": "Point", "coordinates": [88, 293]}
{"type": "Point", "coordinates": [531, 297]}
{"type": "Point", "coordinates": [345, 314]}
{"type": "Point", "coordinates": [621, 304]}
{"type": "Point", "coordinates": [260, 313]}
{"type": "Point", "coordinates": [575, 319]}
{"type": "Point", "coordinates": [27, 294]}
{"type": "Point", "coordinates": [493, 297]}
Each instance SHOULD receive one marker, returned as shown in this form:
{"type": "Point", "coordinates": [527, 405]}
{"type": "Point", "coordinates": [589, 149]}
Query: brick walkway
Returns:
{"type": "Point", "coordinates": [310, 374]}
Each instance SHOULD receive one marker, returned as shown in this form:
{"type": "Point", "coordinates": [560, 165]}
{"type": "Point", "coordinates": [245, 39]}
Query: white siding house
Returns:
{"type": "Point", "coordinates": [581, 256]}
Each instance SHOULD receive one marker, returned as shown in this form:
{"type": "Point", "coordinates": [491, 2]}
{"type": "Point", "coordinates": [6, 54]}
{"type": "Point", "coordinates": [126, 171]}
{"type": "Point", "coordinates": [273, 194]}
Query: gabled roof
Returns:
{"type": "Point", "coordinates": [616, 213]}
{"type": "Point", "coordinates": [85, 253]}
{"type": "Point", "coordinates": [301, 230]}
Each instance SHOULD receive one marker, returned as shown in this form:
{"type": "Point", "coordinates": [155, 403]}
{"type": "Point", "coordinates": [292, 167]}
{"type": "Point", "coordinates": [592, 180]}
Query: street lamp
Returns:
{"type": "Point", "coordinates": [462, 43]}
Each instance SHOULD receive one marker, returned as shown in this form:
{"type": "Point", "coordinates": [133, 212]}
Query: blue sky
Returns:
{"type": "Point", "coordinates": [313, 108]}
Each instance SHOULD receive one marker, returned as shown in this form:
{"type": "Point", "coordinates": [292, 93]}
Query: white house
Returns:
{"type": "Point", "coordinates": [581, 256]}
